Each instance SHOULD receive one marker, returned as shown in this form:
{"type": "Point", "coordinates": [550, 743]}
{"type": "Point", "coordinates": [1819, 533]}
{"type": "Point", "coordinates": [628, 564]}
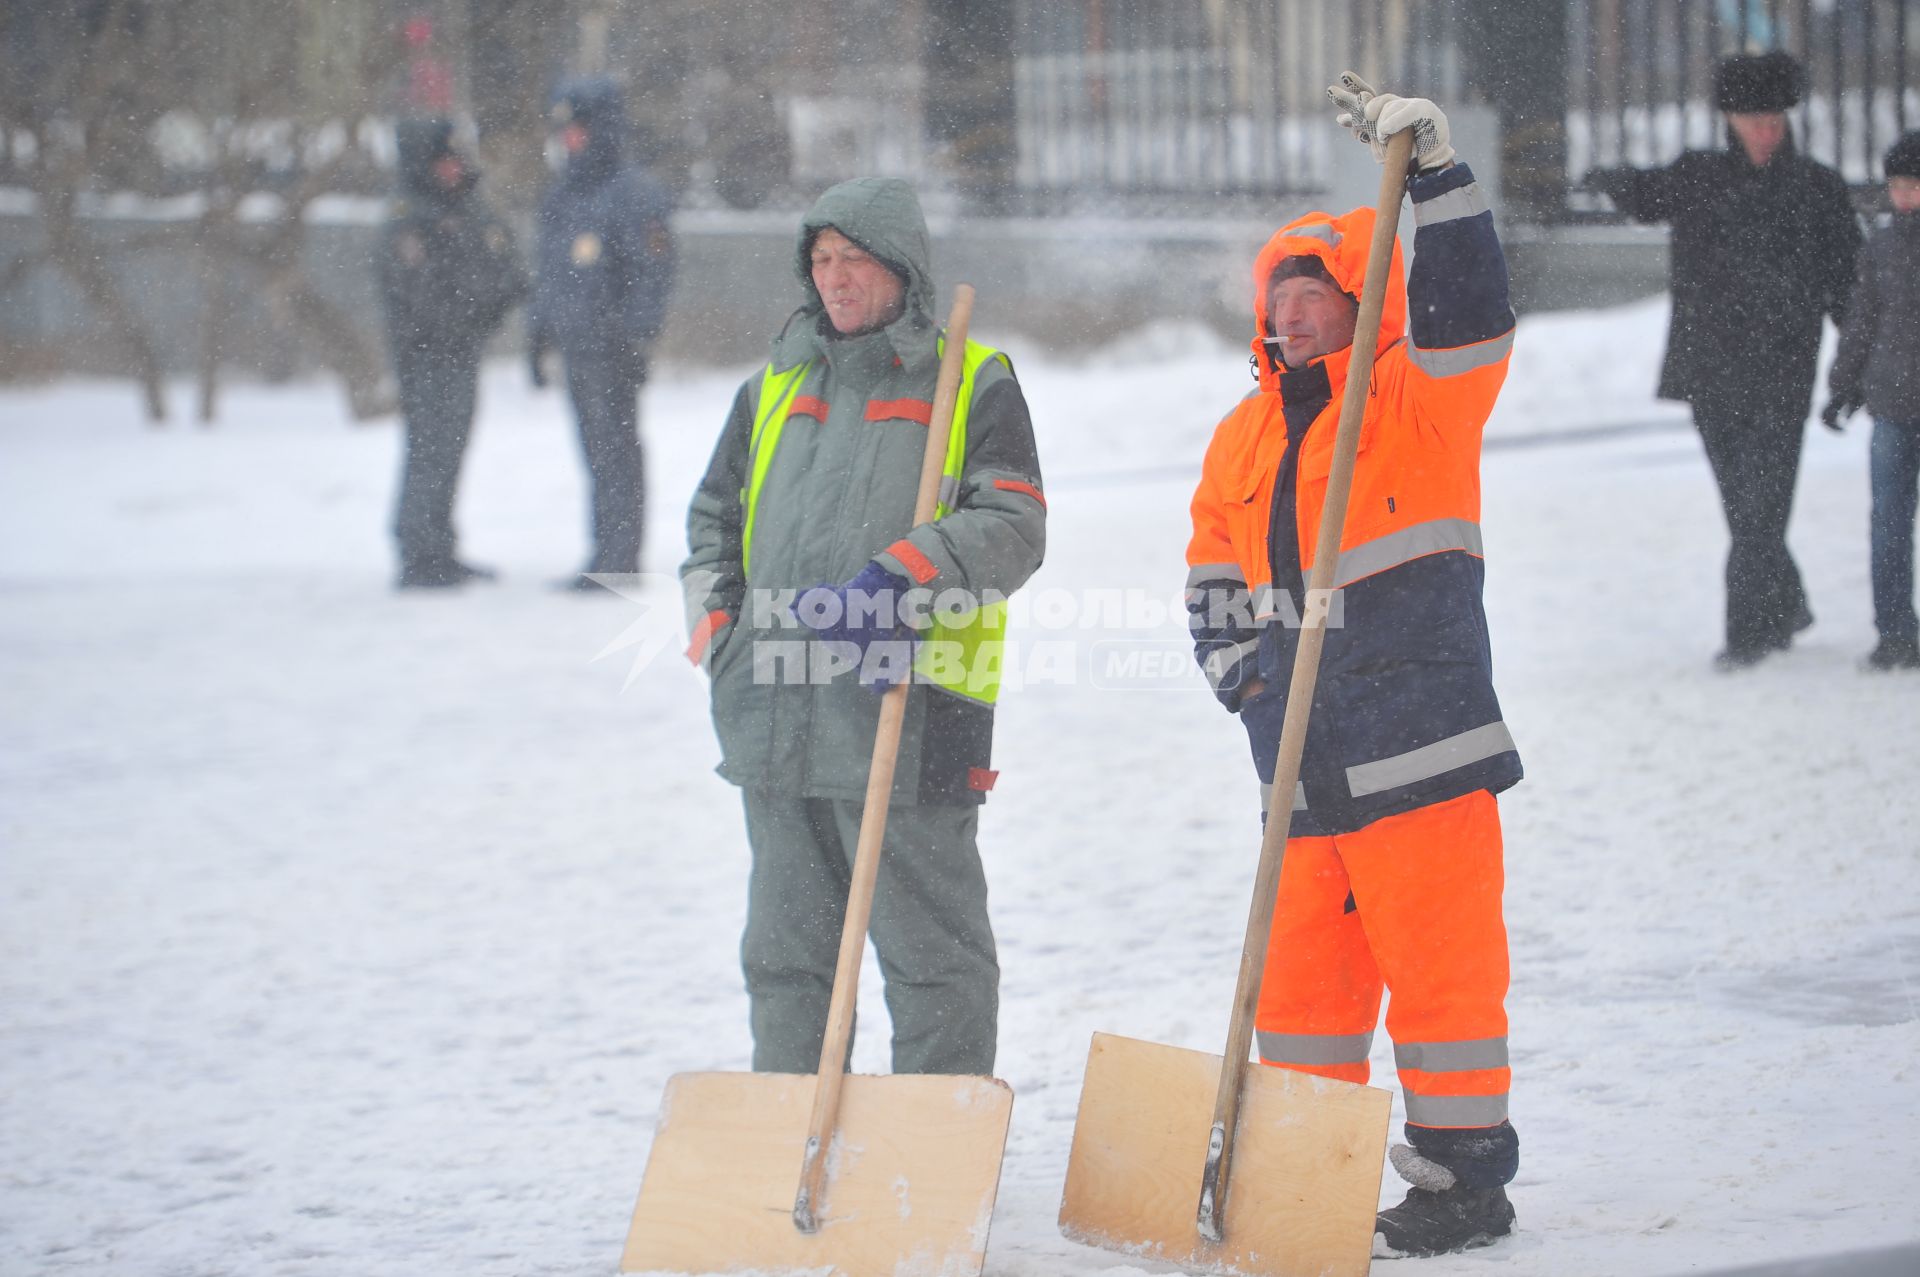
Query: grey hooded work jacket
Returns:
{"type": "Point", "coordinates": [838, 492]}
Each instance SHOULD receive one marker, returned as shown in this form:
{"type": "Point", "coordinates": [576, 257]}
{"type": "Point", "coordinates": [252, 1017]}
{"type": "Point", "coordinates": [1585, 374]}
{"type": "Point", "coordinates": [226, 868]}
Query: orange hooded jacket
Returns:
{"type": "Point", "coordinates": [1405, 713]}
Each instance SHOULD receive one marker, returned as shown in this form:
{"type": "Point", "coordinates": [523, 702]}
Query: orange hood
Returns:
{"type": "Point", "coordinates": [1341, 245]}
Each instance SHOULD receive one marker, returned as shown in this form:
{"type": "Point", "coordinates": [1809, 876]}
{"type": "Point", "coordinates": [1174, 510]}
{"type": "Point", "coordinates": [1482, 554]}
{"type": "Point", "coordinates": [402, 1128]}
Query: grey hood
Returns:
{"type": "Point", "coordinates": [881, 215]}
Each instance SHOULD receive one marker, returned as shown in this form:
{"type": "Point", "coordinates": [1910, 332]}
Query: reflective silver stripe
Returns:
{"type": "Point", "coordinates": [1299, 796]}
{"type": "Point", "coordinates": [1466, 201]}
{"type": "Point", "coordinates": [1456, 1110]}
{"type": "Point", "coordinates": [1411, 543]}
{"type": "Point", "coordinates": [1225, 592]}
{"type": "Point", "coordinates": [1206, 572]}
{"type": "Point", "coordinates": [1315, 1048]}
{"type": "Point", "coordinates": [1322, 231]}
{"type": "Point", "coordinates": [1454, 360]}
{"type": "Point", "coordinates": [949, 490]}
{"type": "Point", "coordinates": [1429, 760]}
{"type": "Point", "coordinates": [1451, 1057]}
{"type": "Point", "coordinates": [1221, 661]}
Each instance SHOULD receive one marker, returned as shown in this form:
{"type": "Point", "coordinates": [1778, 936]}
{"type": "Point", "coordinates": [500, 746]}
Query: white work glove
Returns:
{"type": "Point", "coordinates": [1375, 117]}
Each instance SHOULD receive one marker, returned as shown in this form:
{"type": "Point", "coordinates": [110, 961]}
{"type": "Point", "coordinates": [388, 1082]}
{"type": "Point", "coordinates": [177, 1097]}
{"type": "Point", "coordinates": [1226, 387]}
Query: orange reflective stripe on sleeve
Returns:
{"type": "Point", "coordinates": [1015, 485]}
{"type": "Point", "coordinates": [918, 565]}
{"type": "Point", "coordinates": [703, 633]}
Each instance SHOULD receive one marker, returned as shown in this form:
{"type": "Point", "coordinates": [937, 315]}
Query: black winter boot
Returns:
{"type": "Point", "coordinates": [1894, 654]}
{"type": "Point", "coordinates": [1440, 1215]}
{"type": "Point", "coordinates": [1439, 1223]}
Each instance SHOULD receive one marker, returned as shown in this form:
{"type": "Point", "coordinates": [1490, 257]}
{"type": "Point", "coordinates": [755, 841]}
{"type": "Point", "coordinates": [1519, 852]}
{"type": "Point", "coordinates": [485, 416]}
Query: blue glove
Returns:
{"type": "Point", "coordinates": [864, 612]}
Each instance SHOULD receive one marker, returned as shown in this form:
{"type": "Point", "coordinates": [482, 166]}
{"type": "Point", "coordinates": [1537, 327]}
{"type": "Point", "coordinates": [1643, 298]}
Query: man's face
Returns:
{"type": "Point", "coordinates": [1760, 133]}
{"type": "Point", "coordinates": [449, 170]}
{"type": "Point", "coordinates": [574, 138]}
{"type": "Point", "coordinates": [1905, 194]}
{"type": "Point", "coordinates": [1310, 317]}
{"type": "Point", "coordinates": [862, 295]}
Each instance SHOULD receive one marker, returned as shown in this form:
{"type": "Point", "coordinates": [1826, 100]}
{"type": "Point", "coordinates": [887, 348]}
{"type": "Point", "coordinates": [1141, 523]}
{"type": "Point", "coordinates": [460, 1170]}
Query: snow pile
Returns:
{"type": "Point", "coordinates": [343, 932]}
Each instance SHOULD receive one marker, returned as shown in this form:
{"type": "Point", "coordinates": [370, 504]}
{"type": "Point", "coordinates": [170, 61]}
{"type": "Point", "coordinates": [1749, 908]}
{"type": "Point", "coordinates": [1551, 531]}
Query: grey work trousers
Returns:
{"type": "Point", "coordinates": [929, 926]}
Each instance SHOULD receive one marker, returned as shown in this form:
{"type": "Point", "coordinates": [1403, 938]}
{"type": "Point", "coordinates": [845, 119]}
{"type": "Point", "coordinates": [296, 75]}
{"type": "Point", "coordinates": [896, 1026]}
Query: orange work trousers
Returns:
{"type": "Point", "coordinates": [1412, 903]}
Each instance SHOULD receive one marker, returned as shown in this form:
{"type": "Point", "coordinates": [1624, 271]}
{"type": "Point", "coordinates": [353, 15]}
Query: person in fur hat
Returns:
{"type": "Point", "coordinates": [1763, 248]}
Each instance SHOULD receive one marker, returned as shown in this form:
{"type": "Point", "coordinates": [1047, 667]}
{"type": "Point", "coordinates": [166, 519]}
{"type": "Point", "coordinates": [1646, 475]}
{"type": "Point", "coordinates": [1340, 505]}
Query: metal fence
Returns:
{"type": "Point", "coordinates": [1119, 99]}
{"type": "Point", "coordinates": [1141, 100]}
{"type": "Point", "coordinates": [1641, 76]}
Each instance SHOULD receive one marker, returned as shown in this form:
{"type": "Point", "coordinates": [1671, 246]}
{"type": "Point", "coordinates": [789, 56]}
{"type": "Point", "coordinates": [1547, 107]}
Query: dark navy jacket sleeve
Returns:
{"type": "Point", "coordinates": [647, 256]}
{"type": "Point", "coordinates": [1457, 292]}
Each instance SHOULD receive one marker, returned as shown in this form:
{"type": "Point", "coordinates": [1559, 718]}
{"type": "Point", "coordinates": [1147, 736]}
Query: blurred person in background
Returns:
{"type": "Point", "coordinates": [1878, 368]}
{"type": "Point", "coordinates": [605, 268]}
{"type": "Point", "coordinates": [1763, 246]}
{"type": "Point", "coordinates": [448, 274]}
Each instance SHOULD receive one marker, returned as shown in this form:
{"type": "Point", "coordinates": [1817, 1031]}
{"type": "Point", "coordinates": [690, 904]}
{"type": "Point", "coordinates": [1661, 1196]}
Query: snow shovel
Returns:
{"type": "Point", "coordinates": [828, 1173]}
{"type": "Point", "coordinates": [1157, 1127]}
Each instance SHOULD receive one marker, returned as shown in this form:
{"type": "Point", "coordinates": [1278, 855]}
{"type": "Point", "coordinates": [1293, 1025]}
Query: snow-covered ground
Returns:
{"type": "Point", "coordinates": [346, 933]}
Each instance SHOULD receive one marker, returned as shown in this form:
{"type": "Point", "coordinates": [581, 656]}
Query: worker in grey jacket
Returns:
{"type": "Point", "coordinates": [804, 518]}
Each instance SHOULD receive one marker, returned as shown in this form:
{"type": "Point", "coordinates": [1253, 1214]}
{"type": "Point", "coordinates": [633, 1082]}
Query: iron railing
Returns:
{"type": "Point", "coordinates": [1640, 76]}
{"type": "Point", "coordinates": [1118, 99]}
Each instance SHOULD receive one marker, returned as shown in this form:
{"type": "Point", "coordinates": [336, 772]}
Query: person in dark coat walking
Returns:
{"type": "Point", "coordinates": [1878, 368]}
{"type": "Point", "coordinates": [448, 274]}
{"type": "Point", "coordinates": [606, 259]}
{"type": "Point", "coordinates": [1763, 246]}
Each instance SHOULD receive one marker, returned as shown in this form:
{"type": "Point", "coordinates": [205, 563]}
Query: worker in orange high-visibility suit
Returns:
{"type": "Point", "coordinates": [1393, 868]}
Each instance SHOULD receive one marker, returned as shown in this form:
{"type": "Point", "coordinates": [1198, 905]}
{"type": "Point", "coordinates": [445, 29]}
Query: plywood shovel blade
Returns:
{"type": "Point", "coordinates": [1306, 1177]}
{"type": "Point", "coordinates": [911, 1176]}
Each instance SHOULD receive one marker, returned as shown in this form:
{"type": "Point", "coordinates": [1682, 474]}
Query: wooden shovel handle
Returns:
{"type": "Point", "coordinates": [873, 818]}
{"type": "Point", "coordinates": [1306, 673]}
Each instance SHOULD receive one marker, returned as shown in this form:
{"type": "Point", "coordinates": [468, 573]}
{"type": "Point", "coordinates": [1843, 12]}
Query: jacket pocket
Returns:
{"type": "Point", "coordinates": [742, 706]}
{"type": "Point", "coordinates": [1316, 463]}
{"type": "Point", "coordinates": [1246, 517]}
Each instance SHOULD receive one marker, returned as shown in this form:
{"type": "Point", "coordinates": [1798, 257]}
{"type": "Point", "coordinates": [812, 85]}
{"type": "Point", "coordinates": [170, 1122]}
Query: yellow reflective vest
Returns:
{"type": "Point", "coordinates": [961, 653]}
